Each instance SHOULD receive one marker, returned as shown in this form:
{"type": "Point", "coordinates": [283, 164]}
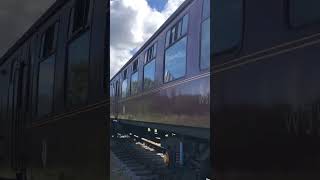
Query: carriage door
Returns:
{"type": "Point", "coordinates": [117, 96]}
{"type": "Point", "coordinates": [16, 113]}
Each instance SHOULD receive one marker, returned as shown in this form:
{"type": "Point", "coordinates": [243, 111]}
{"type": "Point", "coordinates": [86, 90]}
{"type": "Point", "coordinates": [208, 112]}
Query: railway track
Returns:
{"type": "Point", "coordinates": [138, 160]}
{"type": "Point", "coordinates": [142, 159]}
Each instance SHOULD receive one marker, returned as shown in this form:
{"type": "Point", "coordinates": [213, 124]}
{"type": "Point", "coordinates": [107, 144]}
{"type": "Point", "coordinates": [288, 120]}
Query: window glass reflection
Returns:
{"type": "Point", "coordinates": [206, 9]}
{"type": "Point", "coordinates": [124, 88]}
{"type": "Point", "coordinates": [175, 60]}
{"type": "Point", "coordinates": [185, 25]}
{"type": "Point", "coordinates": [205, 44]}
{"type": "Point", "coordinates": [111, 90]}
{"type": "Point", "coordinates": [45, 86]}
{"type": "Point", "coordinates": [134, 83]}
{"type": "Point", "coordinates": [117, 93]}
{"type": "Point", "coordinates": [167, 39]}
{"type": "Point", "coordinates": [78, 61]}
{"type": "Point", "coordinates": [227, 23]}
{"type": "Point", "coordinates": [149, 75]}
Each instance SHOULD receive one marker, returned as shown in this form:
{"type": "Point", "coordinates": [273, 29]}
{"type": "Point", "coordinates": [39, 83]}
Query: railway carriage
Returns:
{"type": "Point", "coordinates": [264, 77]}
{"type": "Point", "coordinates": [53, 100]}
{"type": "Point", "coordinates": [162, 94]}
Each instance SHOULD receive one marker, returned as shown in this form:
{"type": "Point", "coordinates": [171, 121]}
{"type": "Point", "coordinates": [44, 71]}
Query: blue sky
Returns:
{"type": "Point", "coordinates": [157, 4]}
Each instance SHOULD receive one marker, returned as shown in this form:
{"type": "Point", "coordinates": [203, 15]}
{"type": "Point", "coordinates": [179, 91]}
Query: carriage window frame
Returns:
{"type": "Point", "coordinates": [204, 18]}
{"type": "Point", "coordinates": [169, 44]}
{"type": "Point", "coordinates": [134, 71]}
{"type": "Point", "coordinates": [293, 23]}
{"type": "Point", "coordinates": [168, 41]}
{"type": "Point", "coordinates": [53, 87]}
{"type": "Point", "coordinates": [67, 76]}
{"type": "Point", "coordinates": [151, 53]}
{"type": "Point", "coordinates": [73, 34]}
{"type": "Point", "coordinates": [117, 88]}
{"type": "Point", "coordinates": [147, 60]}
{"type": "Point", "coordinates": [235, 49]}
{"type": "Point", "coordinates": [143, 77]}
{"type": "Point", "coordinates": [125, 74]}
{"type": "Point", "coordinates": [42, 58]}
{"type": "Point", "coordinates": [43, 36]}
{"type": "Point", "coordinates": [111, 90]}
{"type": "Point", "coordinates": [125, 78]}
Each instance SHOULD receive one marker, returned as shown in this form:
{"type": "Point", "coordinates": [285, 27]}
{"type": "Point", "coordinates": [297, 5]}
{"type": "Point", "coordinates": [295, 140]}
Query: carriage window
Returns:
{"type": "Point", "coordinates": [227, 24]}
{"type": "Point", "coordinates": [45, 86]}
{"type": "Point", "coordinates": [150, 53]}
{"type": "Point", "coordinates": [112, 90]}
{"type": "Point", "coordinates": [125, 73]}
{"type": "Point", "coordinates": [48, 41]}
{"type": "Point", "coordinates": [206, 9]}
{"type": "Point", "coordinates": [124, 88]}
{"type": "Point", "coordinates": [80, 14]}
{"type": "Point", "coordinates": [205, 36]}
{"type": "Point", "coordinates": [124, 84]}
{"type": "Point", "coordinates": [168, 39]}
{"type": "Point", "coordinates": [175, 54]}
{"type": "Point", "coordinates": [149, 75]}
{"type": "Point", "coordinates": [304, 12]}
{"type": "Point", "coordinates": [175, 60]}
{"type": "Point", "coordinates": [78, 62]}
{"type": "Point", "coordinates": [184, 28]}
{"type": "Point", "coordinates": [135, 66]}
{"type": "Point", "coordinates": [117, 93]}
{"type": "Point", "coordinates": [134, 83]}
{"type": "Point", "coordinates": [134, 78]}
{"type": "Point", "coordinates": [177, 31]}
{"type": "Point", "coordinates": [205, 44]}
{"type": "Point", "coordinates": [149, 67]}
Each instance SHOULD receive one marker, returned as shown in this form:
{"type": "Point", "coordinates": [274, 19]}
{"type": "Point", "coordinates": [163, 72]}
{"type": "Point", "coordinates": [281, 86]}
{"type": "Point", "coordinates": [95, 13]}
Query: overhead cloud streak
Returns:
{"type": "Point", "coordinates": [132, 22]}
{"type": "Point", "coordinates": [16, 17]}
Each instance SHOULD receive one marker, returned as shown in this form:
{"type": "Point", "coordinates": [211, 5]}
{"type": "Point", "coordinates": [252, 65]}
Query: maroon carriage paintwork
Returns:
{"type": "Point", "coordinates": [183, 102]}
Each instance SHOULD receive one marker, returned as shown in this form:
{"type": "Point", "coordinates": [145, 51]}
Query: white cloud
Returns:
{"type": "Point", "coordinates": [132, 22]}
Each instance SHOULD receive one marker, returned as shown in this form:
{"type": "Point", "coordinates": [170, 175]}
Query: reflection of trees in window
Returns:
{"type": "Point", "coordinates": [79, 82]}
{"type": "Point", "coordinates": [78, 71]}
{"type": "Point", "coordinates": [45, 86]}
{"type": "Point", "coordinates": [175, 60]}
{"type": "Point", "coordinates": [149, 75]}
{"type": "Point", "coordinates": [148, 83]}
